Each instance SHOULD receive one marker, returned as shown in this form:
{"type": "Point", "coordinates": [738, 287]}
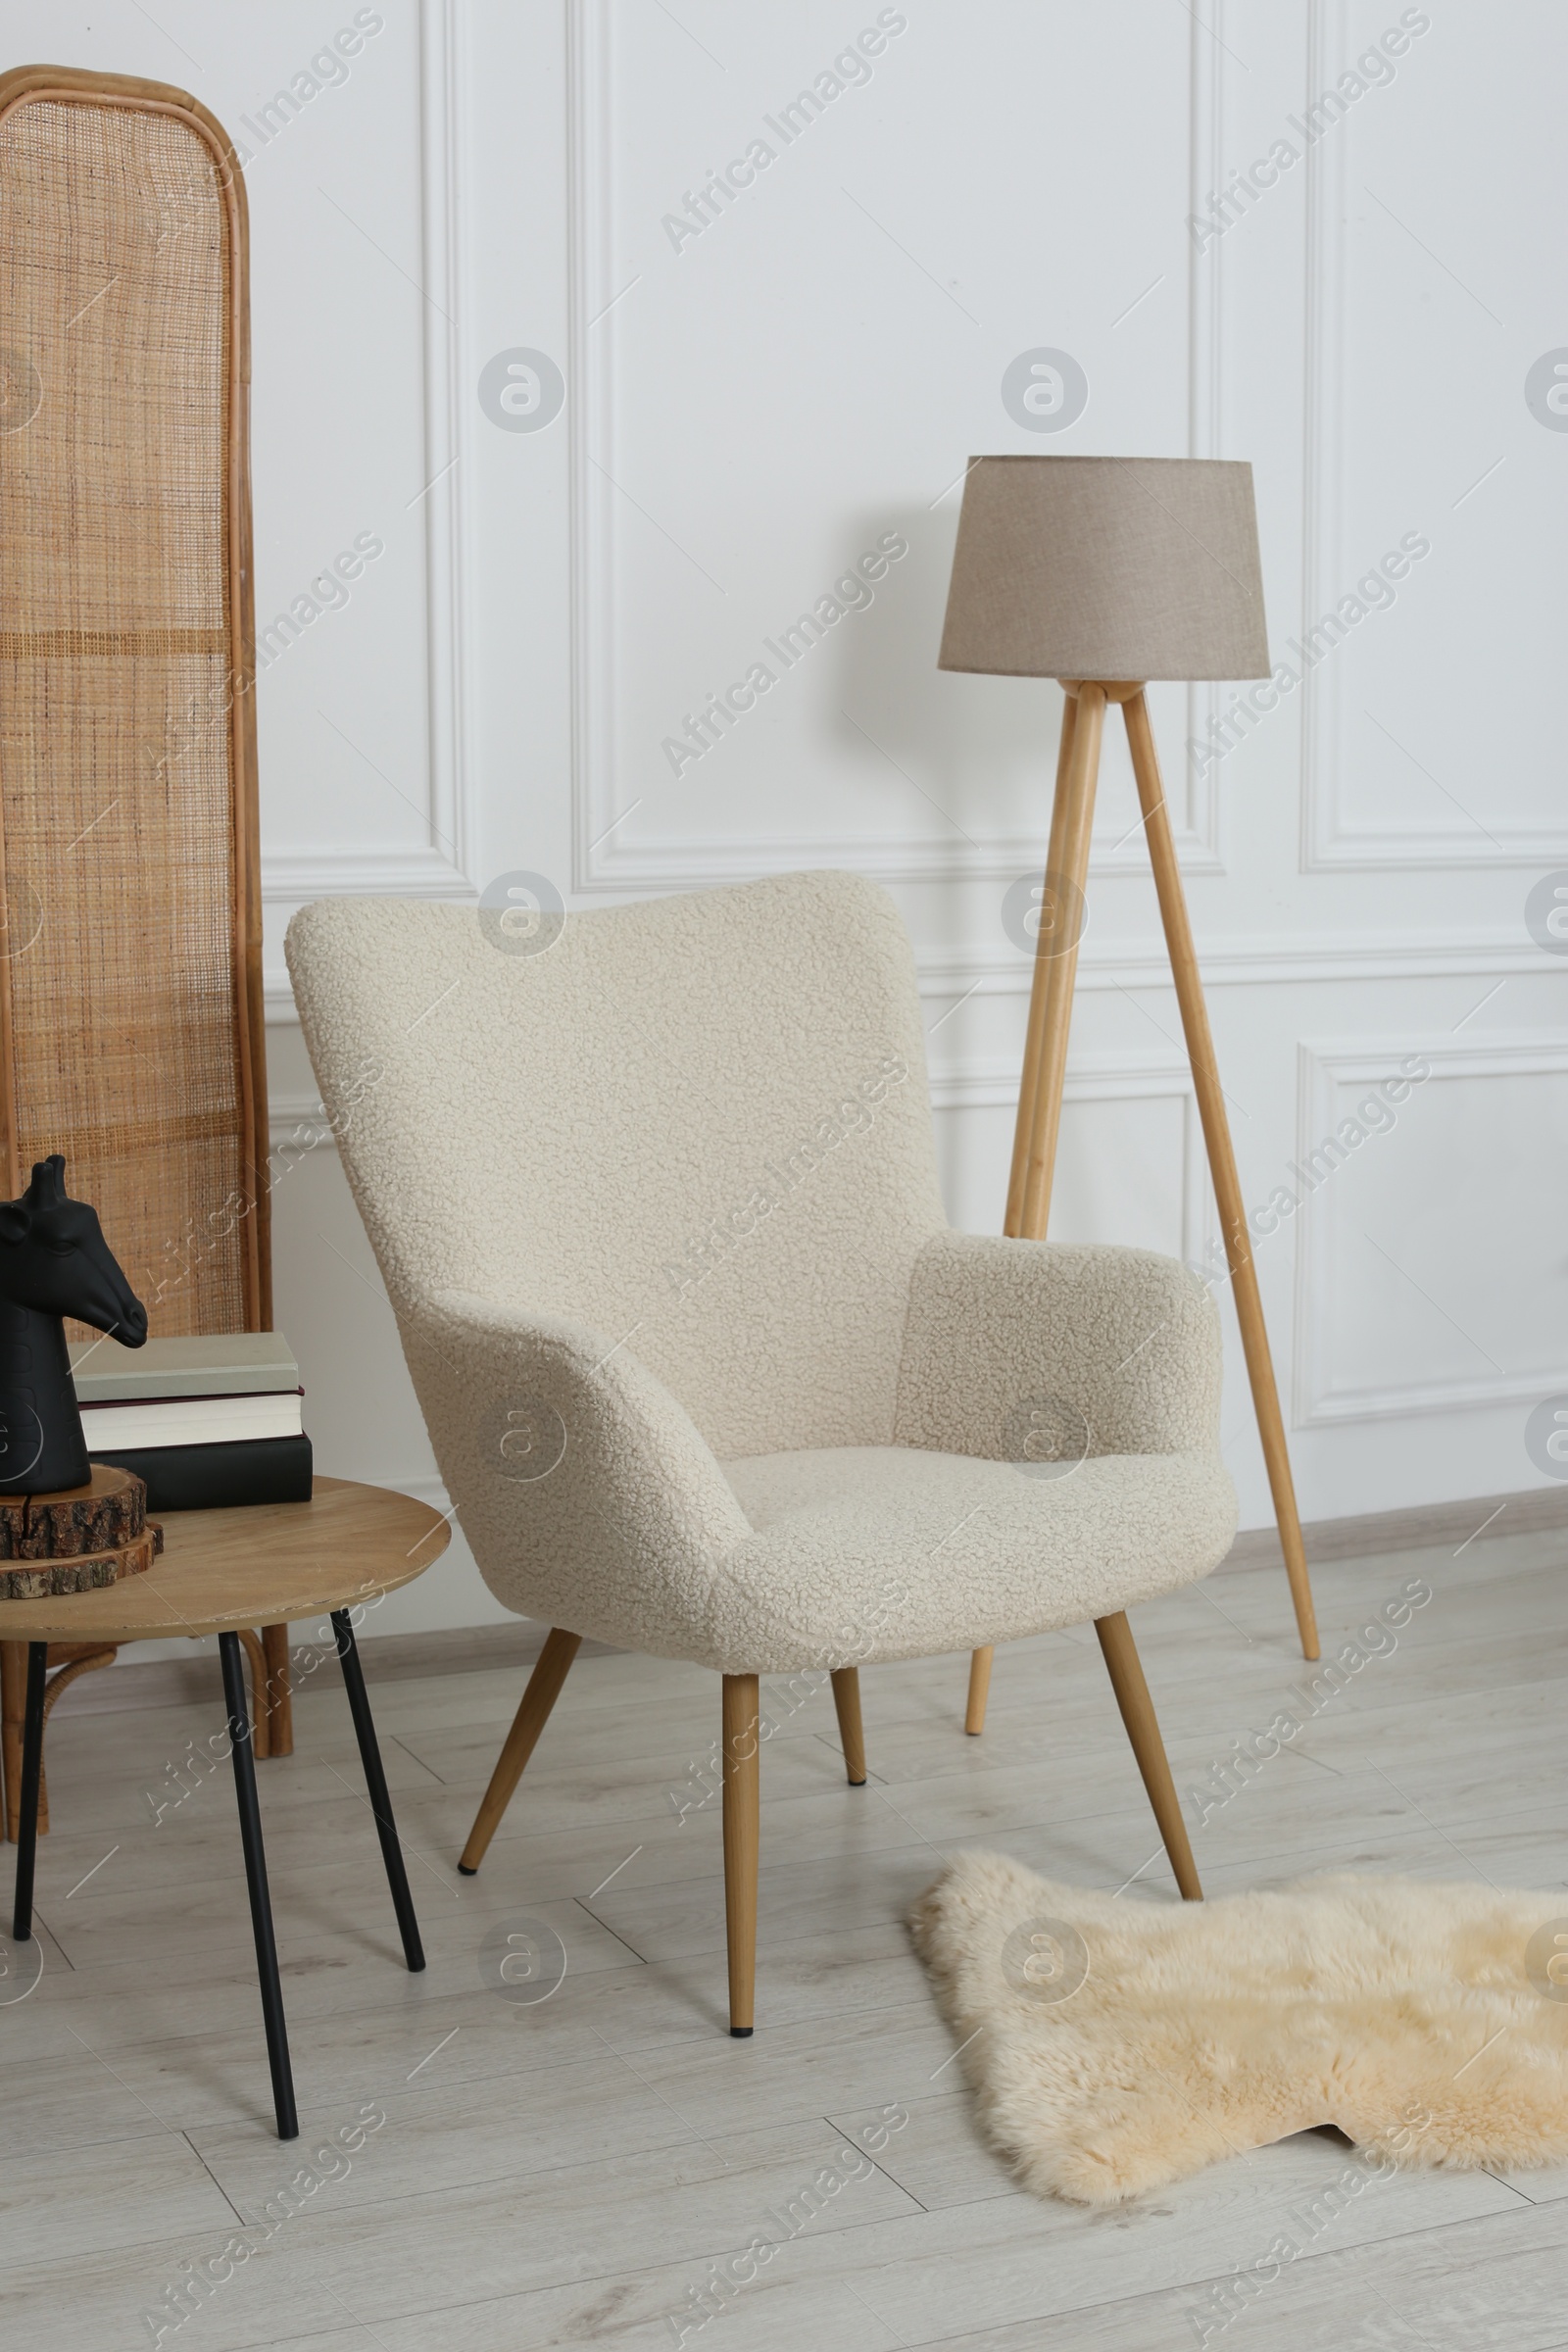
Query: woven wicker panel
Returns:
{"type": "Point", "coordinates": [117, 792]}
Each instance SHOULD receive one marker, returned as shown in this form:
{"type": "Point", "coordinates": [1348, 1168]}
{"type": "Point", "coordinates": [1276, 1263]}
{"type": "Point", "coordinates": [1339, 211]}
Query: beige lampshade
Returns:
{"type": "Point", "coordinates": [1107, 567]}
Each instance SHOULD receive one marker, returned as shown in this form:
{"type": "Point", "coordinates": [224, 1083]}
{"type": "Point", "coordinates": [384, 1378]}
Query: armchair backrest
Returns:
{"type": "Point", "coordinates": [699, 1125]}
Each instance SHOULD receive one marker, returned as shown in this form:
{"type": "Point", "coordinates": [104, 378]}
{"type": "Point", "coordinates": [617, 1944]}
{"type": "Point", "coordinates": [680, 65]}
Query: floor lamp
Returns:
{"type": "Point", "coordinates": [1103, 573]}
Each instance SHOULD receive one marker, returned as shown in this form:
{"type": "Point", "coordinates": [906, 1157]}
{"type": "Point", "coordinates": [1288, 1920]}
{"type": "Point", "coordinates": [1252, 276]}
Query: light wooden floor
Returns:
{"type": "Point", "coordinates": [566, 2173]}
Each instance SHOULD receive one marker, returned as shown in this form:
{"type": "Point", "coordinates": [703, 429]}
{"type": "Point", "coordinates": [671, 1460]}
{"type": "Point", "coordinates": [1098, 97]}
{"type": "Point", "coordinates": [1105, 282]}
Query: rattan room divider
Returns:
{"type": "Point", "coordinates": [130, 984]}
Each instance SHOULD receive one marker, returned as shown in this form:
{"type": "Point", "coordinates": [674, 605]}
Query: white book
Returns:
{"type": "Point", "coordinates": [236, 1363]}
{"type": "Point", "coordinates": [190, 1421]}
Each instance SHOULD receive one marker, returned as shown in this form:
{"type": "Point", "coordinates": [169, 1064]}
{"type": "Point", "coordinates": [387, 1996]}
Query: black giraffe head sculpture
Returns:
{"type": "Point", "coordinates": [54, 1261]}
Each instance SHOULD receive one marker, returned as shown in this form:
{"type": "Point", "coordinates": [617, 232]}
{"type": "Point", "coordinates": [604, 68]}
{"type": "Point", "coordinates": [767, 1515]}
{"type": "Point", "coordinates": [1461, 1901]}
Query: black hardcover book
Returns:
{"type": "Point", "coordinates": [210, 1478]}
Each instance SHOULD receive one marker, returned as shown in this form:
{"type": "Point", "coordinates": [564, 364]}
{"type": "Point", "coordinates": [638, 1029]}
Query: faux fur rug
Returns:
{"type": "Point", "coordinates": [1116, 2044]}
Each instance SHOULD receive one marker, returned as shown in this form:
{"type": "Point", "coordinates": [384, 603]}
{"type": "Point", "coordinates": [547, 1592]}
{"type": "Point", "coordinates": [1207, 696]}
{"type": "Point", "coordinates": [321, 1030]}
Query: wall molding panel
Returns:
{"type": "Point", "coordinates": [1329, 842]}
{"type": "Point", "coordinates": [293, 878]}
{"type": "Point", "coordinates": [443, 866]}
{"type": "Point", "coordinates": [1247, 962]}
{"type": "Point", "coordinates": [945, 974]}
{"type": "Point", "coordinates": [600, 800]}
{"type": "Point", "coordinates": [1104, 1078]}
{"type": "Point", "coordinates": [1326, 1071]}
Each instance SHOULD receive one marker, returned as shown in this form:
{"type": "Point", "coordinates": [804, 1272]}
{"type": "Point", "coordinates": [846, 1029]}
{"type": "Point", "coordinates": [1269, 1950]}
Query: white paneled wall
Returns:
{"type": "Point", "coordinates": [1322, 237]}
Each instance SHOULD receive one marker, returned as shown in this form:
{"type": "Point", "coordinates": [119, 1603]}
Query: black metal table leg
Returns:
{"type": "Point", "coordinates": [375, 1780]}
{"type": "Point", "coordinates": [250, 1830]}
{"type": "Point", "coordinates": [31, 1783]}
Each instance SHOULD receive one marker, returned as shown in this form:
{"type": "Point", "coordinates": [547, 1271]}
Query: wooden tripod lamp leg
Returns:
{"type": "Point", "coordinates": [1060, 954]}
{"type": "Point", "coordinates": [1045, 1053]}
{"type": "Point", "coordinates": [1221, 1160]}
{"type": "Point", "coordinates": [1040, 989]}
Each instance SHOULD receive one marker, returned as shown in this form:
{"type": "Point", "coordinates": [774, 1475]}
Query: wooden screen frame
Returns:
{"type": "Point", "coordinates": [68, 86]}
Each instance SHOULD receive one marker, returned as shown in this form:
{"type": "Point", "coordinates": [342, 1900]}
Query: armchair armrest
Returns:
{"type": "Point", "coordinates": [587, 1494]}
{"type": "Point", "coordinates": [1130, 1339]}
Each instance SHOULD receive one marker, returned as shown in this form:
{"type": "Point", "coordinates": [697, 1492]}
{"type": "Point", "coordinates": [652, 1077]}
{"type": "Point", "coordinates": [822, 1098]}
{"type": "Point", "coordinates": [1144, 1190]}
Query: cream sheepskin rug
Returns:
{"type": "Point", "coordinates": [1116, 2045]}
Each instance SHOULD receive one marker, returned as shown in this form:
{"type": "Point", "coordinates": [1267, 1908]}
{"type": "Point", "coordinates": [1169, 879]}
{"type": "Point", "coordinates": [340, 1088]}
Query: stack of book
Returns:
{"type": "Point", "coordinates": [206, 1422]}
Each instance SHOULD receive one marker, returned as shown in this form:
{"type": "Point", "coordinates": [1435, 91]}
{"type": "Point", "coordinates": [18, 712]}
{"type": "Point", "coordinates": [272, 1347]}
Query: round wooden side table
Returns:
{"type": "Point", "coordinates": [223, 1572]}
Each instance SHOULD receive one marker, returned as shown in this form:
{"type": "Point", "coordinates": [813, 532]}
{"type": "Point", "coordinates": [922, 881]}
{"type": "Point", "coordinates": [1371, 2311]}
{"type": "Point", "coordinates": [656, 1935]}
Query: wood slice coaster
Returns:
{"type": "Point", "coordinates": [81, 1571]}
{"type": "Point", "coordinates": [106, 1514]}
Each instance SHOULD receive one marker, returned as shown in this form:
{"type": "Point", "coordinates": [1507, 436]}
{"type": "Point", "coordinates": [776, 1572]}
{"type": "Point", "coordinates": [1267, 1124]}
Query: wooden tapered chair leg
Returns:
{"type": "Point", "coordinates": [974, 1715]}
{"type": "Point", "coordinates": [544, 1689]}
{"type": "Point", "coordinates": [741, 1738]}
{"type": "Point", "coordinates": [1142, 1730]}
{"type": "Point", "coordinates": [852, 1735]}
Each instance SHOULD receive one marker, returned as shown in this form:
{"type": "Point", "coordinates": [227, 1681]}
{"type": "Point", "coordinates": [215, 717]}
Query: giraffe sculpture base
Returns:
{"type": "Point", "coordinates": [78, 1540]}
{"type": "Point", "coordinates": [87, 1572]}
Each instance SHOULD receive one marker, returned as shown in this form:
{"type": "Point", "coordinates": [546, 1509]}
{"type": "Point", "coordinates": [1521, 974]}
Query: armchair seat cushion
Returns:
{"type": "Point", "coordinates": [867, 1552]}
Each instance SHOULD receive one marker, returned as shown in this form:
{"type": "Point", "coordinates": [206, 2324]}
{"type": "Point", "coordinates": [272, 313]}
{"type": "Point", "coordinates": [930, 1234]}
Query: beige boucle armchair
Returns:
{"type": "Point", "coordinates": [654, 1194]}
